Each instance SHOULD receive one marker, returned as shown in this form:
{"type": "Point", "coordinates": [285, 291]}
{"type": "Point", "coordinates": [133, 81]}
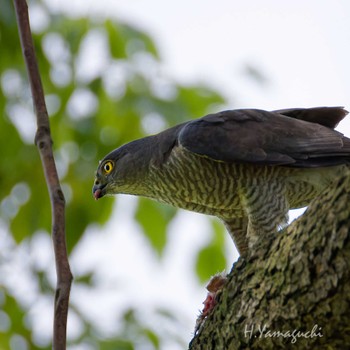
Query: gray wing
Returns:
{"type": "Point", "coordinates": [326, 116]}
{"type": "Point", "coordinates": [269, 138]}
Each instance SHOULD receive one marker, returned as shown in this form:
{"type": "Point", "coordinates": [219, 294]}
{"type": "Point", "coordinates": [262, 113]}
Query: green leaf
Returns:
{"type": "Point", "coordinates": [73, 31]}
{"type": "Point", "coordinates": [152, 337]}
{"type": "Point", "coordinates": [116, 344]}
{"type": "Point", "coordinates": [84, 279]}
{"type": "Point", "coordinates": [31, 217]}
{"type": "Point", "coordinates": [154, 218]}
{"type": "Point", "coordinates": [116, 39]}
{"type": "Point", "coordinates": [82, 210]}
{"type": "Point", "coordinates": [211, 259]}
{"type": "Point", "coordinates": [17, 316]}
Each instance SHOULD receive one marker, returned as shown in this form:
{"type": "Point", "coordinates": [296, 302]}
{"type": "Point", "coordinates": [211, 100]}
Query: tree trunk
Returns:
{"type": "Point", "coordinates": [294, 294]}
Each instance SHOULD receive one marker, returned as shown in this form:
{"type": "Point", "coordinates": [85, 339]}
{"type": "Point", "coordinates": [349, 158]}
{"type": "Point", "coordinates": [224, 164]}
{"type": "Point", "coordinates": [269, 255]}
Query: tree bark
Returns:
{"type": "Point", "coordinates": [295, 294]}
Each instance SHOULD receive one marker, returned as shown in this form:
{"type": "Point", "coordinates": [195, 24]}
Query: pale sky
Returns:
{"type": "Point", "coordinates": [301, 47]}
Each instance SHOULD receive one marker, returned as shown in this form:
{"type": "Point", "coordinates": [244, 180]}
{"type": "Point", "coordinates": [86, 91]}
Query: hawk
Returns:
{"type": "Point", "coordinates": [247, 167]}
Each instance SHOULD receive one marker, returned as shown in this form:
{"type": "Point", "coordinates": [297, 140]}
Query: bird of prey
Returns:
{"type": "Point", "coordinates": [247, 167]}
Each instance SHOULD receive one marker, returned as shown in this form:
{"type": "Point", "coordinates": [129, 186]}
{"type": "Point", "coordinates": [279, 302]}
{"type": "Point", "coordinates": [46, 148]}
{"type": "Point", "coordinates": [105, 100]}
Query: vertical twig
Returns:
{"type": "Point", "coordinates": [44, 143]}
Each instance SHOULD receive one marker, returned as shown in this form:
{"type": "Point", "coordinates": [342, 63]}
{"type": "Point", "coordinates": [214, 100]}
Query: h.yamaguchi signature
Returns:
{"type": "Point", "coordinates": [262, 331]}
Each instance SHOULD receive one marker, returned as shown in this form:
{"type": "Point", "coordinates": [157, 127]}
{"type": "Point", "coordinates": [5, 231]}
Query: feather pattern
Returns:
{"type": "Point", "coordinates": [269, 138]}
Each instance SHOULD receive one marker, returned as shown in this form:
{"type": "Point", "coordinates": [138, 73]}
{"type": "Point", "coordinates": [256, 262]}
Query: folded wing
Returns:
{"type": "Point", "coordinates": [291, 137]}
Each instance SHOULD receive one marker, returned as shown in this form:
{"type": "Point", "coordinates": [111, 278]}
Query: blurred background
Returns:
{"type": "Point", "coordinates": [113, 71]}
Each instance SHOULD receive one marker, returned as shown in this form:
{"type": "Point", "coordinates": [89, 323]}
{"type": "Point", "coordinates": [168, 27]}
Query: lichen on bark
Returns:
{"type": "Point", "coordinates": [294, 294]}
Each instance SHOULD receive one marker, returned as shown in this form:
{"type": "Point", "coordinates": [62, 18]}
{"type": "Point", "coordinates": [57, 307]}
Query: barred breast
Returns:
{"type": "Point", "coordinates": [199, 184]}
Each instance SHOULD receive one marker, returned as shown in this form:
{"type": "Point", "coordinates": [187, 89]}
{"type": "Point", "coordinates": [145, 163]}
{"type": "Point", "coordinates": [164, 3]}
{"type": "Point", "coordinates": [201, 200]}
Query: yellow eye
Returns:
{"type": "Point", "coordinates": [108, 167]}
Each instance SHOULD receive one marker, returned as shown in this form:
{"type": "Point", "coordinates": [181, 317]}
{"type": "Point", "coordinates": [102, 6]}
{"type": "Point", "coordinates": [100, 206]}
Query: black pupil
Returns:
{"type": "Point", "coordinates": [107, 167]}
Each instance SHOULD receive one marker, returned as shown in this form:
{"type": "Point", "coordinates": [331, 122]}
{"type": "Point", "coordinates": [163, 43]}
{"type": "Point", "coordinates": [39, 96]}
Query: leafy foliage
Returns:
{"type": "Point", "coordinates": [154, 218]}
{"type": "Point", "coordinates": [211, 259]}
{"type": "Point", "coordinates": [103, 88]}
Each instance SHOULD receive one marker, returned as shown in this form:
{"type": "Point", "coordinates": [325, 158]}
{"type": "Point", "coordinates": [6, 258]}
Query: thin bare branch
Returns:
{"type": "Point", "coordinates": [44, 142]}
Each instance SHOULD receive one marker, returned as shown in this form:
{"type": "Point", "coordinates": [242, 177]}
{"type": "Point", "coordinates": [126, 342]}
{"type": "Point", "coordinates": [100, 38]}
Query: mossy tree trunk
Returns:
{"type": "Point", "coordinates": [295, 294]}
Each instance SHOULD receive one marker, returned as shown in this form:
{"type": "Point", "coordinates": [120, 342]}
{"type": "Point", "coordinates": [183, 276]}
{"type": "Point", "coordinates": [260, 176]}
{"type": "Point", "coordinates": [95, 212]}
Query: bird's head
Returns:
{"type": "Point", "coordinates": [104, 178]}
{"type": "Point", "coordinates": [122, 170]}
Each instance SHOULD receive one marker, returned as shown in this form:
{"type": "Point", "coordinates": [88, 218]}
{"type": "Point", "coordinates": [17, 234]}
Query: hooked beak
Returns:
{"type": "Point", "coordinates": [98, 190]}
